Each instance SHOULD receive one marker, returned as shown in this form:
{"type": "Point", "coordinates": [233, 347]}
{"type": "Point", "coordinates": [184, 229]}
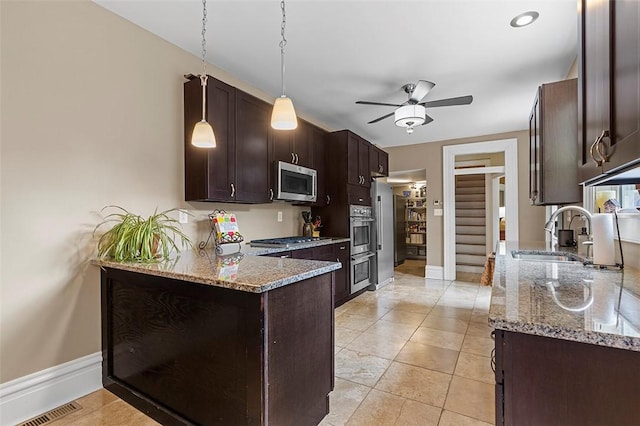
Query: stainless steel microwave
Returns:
{"type": "Point", "coordinates": [296, 183]}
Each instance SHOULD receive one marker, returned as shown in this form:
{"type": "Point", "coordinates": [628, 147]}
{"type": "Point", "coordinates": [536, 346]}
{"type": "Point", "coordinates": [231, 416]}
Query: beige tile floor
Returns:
{"type": "Point", "coordinates": [416, 352]}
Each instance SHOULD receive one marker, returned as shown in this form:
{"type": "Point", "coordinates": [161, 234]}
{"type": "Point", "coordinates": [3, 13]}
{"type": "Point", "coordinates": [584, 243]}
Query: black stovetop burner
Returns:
{"type": "Point", "coordinates": [282, 242]}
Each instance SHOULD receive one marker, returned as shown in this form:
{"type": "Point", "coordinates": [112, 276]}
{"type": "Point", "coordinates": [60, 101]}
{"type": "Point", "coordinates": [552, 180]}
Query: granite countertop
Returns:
{"type": "Point", "coordinates": [565, 300]}
{"type": "Point", "coordinates": [246, 271]}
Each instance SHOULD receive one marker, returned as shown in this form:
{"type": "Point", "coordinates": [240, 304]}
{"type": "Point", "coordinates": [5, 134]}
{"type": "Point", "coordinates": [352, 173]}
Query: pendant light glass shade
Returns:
{"type": "Point", "coordinates": [202, 136]}
{"type": "Point", "coordinates": [283, 116]}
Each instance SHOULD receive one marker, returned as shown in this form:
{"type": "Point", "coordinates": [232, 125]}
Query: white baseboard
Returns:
{"type": "Point", "coordinates": [434, 272]}
{"type": "Point", "coordinates": [37, 393]}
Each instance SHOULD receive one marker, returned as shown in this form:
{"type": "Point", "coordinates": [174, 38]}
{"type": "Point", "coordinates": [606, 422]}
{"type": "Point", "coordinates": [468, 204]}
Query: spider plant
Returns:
{"type": "Point", "coordinates": [136, 239]}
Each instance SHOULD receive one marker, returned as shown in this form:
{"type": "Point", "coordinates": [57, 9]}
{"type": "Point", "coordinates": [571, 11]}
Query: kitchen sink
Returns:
{"type": "Point", "coordinates": [542, 256]}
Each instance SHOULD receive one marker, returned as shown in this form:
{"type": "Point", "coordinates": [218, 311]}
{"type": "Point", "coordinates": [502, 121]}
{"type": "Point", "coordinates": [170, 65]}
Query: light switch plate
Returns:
{"type": "Point", "coordinates": [279, 216]}
{"type": "Point", "coordinates": [437, 212]}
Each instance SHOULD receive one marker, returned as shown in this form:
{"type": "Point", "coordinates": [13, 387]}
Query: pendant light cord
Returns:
{"type": "Point", "coordinates": [283, 43]}
{"type": "Point", "coordinates": [203, 77]}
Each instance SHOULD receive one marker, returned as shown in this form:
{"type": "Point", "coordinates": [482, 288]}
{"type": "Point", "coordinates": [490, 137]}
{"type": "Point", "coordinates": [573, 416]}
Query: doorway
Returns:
{"type": "Point", "coordinates": [410, 200]}
{"type": "Point", "coordinates": [450, 153]}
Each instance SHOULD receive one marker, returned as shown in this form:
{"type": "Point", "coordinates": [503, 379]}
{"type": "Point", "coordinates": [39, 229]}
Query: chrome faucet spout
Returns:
{"type": "Point", "coordinates": [550, 223]}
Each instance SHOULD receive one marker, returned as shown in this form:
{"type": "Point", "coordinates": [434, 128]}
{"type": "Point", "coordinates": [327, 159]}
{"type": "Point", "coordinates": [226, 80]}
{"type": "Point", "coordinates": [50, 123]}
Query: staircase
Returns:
{"type": "Point", "coordinates": [471, 230]}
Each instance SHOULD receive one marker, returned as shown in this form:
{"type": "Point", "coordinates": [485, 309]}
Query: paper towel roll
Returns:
{"type": "Point", "coordinates": [603, 244]}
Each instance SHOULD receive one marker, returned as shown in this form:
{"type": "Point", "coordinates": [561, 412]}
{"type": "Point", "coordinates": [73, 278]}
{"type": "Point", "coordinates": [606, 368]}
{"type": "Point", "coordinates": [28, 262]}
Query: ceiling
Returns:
{"type": "Point", "coordinates": [339, 52]}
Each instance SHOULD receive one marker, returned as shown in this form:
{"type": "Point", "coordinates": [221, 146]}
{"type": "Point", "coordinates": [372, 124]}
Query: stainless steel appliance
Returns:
{"type": "Point", "coordinates": [362, 271]}
{"type": "Point", "coordinates": [382, 196]}
{"type": "Point", "coordinates": [361, 222]}
{"type": "Point", "coordinates": [363, 255]}
{"type": "Point", "coordinates": [400, 247]}
{"type": "Point", "coordinates": [295, 183]}
{"type": "Point", "coordinates": [283, 242]}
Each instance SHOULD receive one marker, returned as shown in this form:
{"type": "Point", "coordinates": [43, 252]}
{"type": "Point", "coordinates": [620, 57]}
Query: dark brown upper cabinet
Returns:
{"type": "Point", "coordinates": [293, 146]}
{"type": "Point", "coordinates": [378, 162]}
{"type": "Point", "coordinates": [553, 149]}
{"type": "Point", "coordinates": [318, 143]}
{"type": "Point", "coordinates": [609, 88]}
{"type": "Point", "coordinates": [358, 161]}
{"type": "Point", "coordinates": [237, 169]}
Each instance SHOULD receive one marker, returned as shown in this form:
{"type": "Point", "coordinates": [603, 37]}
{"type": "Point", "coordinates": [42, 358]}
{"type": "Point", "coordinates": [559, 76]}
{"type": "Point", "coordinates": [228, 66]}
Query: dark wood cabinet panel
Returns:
{"type": "Point", "coordinates": [625, 76]}
{"type": "Point", "coordinates": [363, 162]}
{"type": "Point", "coordinates": [237, 169]}
{"type": "Point", "coordinates": [609, 75]}
{"type": "Point", "coordinates": [252, 149]}
{"type": "Point", "coordinates": [209, 173]}
{"type": "Point", "coordinates": [187, 353]}
{"type": "Point", "coordinates": [318, 144]}
{"type": "Point", "coordinates": [559, 382]}
{"type": "Point", "coordinates": [293, 146]}
{"type": "Point", "coordinates": [553, 135]}
{"type": "Point", "coordinates": [282, 146]}
{"type": "Point", "coordinates": [342, 277]}
{"type": "Point", "coordinates": [353, 161]}
{"type": "Point", "coordinates": [378, 162]}
{"type": "Point", "coordinates": [308, 253]}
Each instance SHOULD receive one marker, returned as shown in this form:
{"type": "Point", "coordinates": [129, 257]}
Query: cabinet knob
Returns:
{"type": "Point", "coordinates": [270, 194]}
{"type": "Point", "coordinates": [233, 190]}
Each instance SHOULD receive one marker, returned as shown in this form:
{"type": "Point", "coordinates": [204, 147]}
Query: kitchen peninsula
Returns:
{"type": "Point", "coordinates": [211, 340]}
{"type": "Point", "coordinates": [567, 341]}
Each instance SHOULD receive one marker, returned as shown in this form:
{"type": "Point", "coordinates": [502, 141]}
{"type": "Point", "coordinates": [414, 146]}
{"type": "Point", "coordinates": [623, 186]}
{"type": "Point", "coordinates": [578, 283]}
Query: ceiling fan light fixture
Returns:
{"type": "Point", "coordinates": [524, 19]}
{"type": "Point", "coordinates": [409, 116]}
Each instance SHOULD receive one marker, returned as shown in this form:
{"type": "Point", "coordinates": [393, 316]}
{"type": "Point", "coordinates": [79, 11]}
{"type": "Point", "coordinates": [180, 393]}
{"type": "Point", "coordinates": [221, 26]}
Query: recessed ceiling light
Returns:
{"type": "Point", "coordinates": [524, 19]}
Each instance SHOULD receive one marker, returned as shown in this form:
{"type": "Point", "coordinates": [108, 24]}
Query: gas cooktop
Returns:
{"type": "Point", "coordinates": [283, 242]}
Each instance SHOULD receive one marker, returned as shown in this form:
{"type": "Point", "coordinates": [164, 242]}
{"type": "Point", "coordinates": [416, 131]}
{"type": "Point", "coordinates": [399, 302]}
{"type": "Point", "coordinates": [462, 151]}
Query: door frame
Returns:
{"type": "Point", "coordinates": [510, 149]}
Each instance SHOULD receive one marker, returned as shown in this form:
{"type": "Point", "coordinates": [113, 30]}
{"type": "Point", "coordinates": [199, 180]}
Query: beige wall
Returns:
{"type": "Point", "coordinates": [429, 156]}
{"type": "Point", "coordinates": [91, 116]}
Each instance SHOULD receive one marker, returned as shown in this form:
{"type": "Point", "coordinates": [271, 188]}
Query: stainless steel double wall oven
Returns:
{"type": "Point", "coordinates": [363, 253]}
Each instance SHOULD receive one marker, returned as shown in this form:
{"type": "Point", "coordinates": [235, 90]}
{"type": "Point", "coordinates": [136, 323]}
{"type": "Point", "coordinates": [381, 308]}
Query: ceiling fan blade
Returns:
{"type": "Point", "coordinates": [462, 100]}
{"type": "Point", "coordinates": [377, 103]}
{"type": "Point", "coordinates": [420, 91]}
{"type": "Point", "coordinates": [427, 119]}
{"type": "Point", "coordinates": [381, 118]}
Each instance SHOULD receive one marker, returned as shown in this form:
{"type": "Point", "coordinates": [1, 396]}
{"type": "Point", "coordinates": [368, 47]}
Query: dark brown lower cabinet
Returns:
{"type": "Point", "coordinates": [546, 381]}
{"type": "Point", "coordinates": [187, 353]}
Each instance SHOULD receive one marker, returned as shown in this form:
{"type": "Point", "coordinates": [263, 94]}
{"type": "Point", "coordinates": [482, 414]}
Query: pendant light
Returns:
{"type": "Point", "coordinates": [202, 136]}
{"type": "Point", "coordinates": [283, 116]}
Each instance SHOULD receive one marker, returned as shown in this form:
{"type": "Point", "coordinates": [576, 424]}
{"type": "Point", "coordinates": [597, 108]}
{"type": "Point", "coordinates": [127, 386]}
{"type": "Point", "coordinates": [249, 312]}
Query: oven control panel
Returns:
{"type": "Point", "coordinates": [360, 211]}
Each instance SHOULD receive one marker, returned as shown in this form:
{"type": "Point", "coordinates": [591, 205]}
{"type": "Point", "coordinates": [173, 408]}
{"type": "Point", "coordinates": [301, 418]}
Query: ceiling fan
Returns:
{"type": "Point", "coordinates": [413, 112]}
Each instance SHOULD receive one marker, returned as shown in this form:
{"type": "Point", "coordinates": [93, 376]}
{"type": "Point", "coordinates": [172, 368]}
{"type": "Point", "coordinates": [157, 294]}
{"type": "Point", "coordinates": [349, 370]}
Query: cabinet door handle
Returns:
{"type": "Point", "coordinates": [297, 159]}
{"type": "Point", "coordinates": [380, 168]}
{"type": "Point", "coordinates": [328, 199]}
{"type": "Point", "coordinates": [360, 199]}
{"type": "Point", "coordinates": [596, 145]}
{"type": "Point", "coordinates": [343, 248]}
{"type": "Point", "coordinates": [293, 158]}
{"type": "Point", "coordinates": [604, 155]}
{"type": "Point", "coordinates": [270, 194]}
{"type": "Point", "coordinates": [233, 190]}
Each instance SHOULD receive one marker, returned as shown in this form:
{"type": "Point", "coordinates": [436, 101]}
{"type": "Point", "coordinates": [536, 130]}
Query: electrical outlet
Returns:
{"type": "Point", "coordinates": [279, 216]}
{"type": "Point", "coordinates": [183, 216]}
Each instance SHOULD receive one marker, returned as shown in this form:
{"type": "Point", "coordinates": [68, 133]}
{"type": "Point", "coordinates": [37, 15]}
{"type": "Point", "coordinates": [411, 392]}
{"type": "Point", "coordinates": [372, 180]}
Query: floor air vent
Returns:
{"type": "Point", "coordinates": [52, 415]}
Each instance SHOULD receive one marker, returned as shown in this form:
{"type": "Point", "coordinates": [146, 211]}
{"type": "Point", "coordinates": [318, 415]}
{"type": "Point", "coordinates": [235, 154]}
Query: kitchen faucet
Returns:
{"type": "Point", "coordinates": [550, 223]}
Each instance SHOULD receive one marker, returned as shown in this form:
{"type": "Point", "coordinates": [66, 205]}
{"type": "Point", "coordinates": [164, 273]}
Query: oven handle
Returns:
{"type": "Point", "coordinates": [362, 258]}
{"type": "Point", "coordinates": [361, 219]}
